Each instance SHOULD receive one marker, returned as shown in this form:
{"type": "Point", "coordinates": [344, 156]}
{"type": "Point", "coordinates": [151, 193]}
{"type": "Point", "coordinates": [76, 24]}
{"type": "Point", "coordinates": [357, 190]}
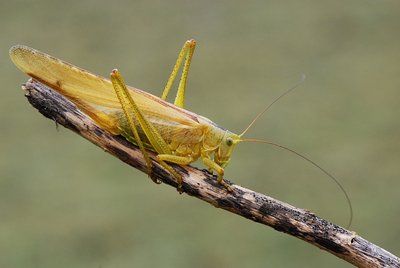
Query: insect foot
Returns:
{"type": "Point", "coordinates": [179, 188]}
{"type": "Point", "coordinates": [226, 186]}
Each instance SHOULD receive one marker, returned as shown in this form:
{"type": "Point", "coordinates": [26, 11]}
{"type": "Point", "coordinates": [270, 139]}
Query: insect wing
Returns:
{"type": "Point", "coordinates": [92, 93]}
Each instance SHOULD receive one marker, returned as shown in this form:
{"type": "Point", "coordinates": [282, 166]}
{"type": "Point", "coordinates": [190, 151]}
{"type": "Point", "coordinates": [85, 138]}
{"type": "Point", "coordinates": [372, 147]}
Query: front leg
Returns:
{"type": "Point", "coordinates": [220, 171]}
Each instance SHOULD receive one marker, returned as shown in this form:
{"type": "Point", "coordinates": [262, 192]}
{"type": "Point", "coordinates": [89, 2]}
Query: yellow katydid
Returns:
{"type": "Point", "coordinates": [175, 134]}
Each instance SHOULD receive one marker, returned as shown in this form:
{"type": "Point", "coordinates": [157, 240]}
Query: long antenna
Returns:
{"type": "Point", "coordinates": [315, 165]}
{"type": "Point", "coordinates": [303, 77]}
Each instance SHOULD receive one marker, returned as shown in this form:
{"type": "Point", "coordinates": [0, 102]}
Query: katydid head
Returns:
{"type": "Point", "coordinates": [225, 148]}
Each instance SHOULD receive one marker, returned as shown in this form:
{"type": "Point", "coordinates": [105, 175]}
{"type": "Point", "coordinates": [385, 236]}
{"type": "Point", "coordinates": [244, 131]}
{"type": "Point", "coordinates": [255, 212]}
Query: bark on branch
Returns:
{"type": "Point", "coordinates": [257, 207]}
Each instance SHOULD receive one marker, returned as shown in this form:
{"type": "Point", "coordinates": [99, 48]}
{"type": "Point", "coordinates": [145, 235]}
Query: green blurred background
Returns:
{"type": "Point", "coordinates": [66, 203]}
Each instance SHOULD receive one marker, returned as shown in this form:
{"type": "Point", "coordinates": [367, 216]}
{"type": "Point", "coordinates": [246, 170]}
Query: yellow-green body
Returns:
{"type": "Point", "coordinates": [175, 134]}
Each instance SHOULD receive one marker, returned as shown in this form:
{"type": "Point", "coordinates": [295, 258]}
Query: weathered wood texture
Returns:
{"type": "Point", "coordinates": [257, 207]}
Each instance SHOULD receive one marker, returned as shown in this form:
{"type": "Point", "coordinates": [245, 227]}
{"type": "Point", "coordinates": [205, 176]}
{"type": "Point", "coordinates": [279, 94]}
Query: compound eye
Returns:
{"type": "Point", "coordinates": [229, 141]}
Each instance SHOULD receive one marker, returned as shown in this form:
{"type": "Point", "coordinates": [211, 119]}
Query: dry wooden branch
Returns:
{"type": "Point", "coordinates": [252, 205]}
